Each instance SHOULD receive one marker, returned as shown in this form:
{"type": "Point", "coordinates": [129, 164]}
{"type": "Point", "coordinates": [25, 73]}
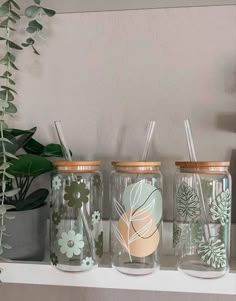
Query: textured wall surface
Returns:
{"type": "Point", "coordinates": [106, 74]}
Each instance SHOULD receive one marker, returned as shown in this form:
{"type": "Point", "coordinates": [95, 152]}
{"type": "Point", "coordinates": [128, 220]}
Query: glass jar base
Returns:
{"type": "Point", "coordinates": [192, 266]}
{"type": "Point", "coordinates": [70, 268]}
{"type": "Point", "coordinates": [203, 274]}
{"type": "Point", "coordinates": [135, 269]}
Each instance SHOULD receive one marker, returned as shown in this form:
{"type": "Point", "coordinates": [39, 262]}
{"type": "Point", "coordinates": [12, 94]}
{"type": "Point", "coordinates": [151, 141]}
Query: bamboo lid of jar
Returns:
{"type": "Point", "coordinates": [135, 163]}
{"type": "Point", "coordinates": [76, 166]}
{"type": "Point", "coordinates": [202, 164]}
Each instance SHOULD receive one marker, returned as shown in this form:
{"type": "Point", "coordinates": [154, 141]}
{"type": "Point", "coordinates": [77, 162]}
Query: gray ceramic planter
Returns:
{"type": "Point", "coordinates": [28, 234]}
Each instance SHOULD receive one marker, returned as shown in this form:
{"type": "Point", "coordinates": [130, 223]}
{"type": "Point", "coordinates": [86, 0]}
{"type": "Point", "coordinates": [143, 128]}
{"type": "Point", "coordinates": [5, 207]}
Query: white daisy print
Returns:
{"type": "Point", "coordinates": [71, 243]}
{"type": "Point", "coordinates": [56, 183]}
{"type": "Point", "coordinates": [96, 217]}
{"type": "Point", "coordinates": [88, 262]}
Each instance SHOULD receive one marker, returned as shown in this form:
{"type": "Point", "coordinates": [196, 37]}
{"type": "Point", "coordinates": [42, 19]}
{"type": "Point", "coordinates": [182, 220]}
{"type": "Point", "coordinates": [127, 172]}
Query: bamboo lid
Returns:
{"type": "Point", "coordinates": [66, 163]}
{"type": "Point", "coordinates": [202, 164]}
{"type": "Point", "coordinates": [135, 163]}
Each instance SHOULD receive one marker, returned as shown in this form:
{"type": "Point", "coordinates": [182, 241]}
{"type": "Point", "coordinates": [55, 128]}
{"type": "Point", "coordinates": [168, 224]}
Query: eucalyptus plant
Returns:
{"type": "Point", "coordinates": [9, 18]}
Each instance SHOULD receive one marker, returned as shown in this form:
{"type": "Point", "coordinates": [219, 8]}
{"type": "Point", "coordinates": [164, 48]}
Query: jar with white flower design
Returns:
{"type": "Point", "coordinates": [136, 216]}
{"type": "Point", "coordinates": [201, 229]}
{"type": "Point", "coordinates": [76, 237]}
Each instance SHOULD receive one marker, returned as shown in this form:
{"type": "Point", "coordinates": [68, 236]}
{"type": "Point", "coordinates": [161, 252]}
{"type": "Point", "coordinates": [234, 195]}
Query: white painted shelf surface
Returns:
{"type": "Point", "coordinates": [166, 279]}
{"type": "Point", "coordinates": [105, 277]}
{"type": "Point", "coordinates": [76, 6]}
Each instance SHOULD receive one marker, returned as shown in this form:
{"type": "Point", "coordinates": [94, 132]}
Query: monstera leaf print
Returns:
{"type": "Point", "coordinates": [220, 207]}
{"type": "Point", "coordinates": [176, 234]}
{"type": "Point", "coordinates": [187, 202]}
{"type": "Point", "coordinates": [213, 253]}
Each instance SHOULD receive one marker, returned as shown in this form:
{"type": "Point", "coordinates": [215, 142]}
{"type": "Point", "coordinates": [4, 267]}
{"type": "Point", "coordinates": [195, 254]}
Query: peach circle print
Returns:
{"type": "Point", "coordinates": [140, 236]}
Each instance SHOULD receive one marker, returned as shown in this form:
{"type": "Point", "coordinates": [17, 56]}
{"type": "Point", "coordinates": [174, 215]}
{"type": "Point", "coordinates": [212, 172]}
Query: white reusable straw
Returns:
{"type": "Point", "coordinates": [65, 149]}
{"type": "Point", "coordinates": [196, 177]}
{"type": "Point", "coordinates": [149, 134]}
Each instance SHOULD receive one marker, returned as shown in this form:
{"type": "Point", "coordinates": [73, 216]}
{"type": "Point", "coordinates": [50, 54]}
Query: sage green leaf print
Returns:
{"type": "Point", "coordinates": [176, 234]}
{"type": "Point", "coordinates": [213, 253]}
{"type": "Point", "coordinates": [187, 202]}
{"type": "Point", "coordinates": [99, 245]}
{"type": "Point", "coordinates": [220, 207]}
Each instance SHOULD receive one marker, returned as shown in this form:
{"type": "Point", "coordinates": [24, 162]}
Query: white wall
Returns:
{"type": "Point", "coordinates": [106, 74]}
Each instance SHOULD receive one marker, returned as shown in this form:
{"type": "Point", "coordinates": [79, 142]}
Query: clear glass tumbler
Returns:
{"type": "Point", "coordinates": [76, 237]}
{"type": "Point", "coordinates": [136, 216]}
{"type": "Point", "coordinates": [201, 233]}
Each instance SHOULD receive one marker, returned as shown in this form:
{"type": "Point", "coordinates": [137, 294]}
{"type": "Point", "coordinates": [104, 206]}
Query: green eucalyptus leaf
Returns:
{"type": "Point", "coordinates": [7, 73]}
{"type": "Point", "coordinates": [12, 192]}
{"type": "Point", "coordinates": [8, 175]}
{"type": "Point", "coordinates": [3, 139]}
{"type": "Point", "coordinates": [4, 22]}
{"type": "Point", "coordinates": [52, 150]}
{"type": "Point", "coordinates": [34, 200]}
{"type": "Point", "coordinates": [11, 109]}
{"type": "Point", "coordinates": [37, 1]}
{"type": "Point", "coordinates": [15, 15]}
{"type": "Point", "coordinates": [49, 12]}
{"type": "Point", "coordinates": [32, 11]}
{"type": "Point", "coordinates": [12, 20]}
{"type": "Point", "coordinates": [13, 45]}
{"type": "Point", "coordinates": [6, 95]}
{"type": "Point", "coordinates": [13, 66]}
{"type": "Point", "coordinates": [15, 4]}
{"type": "Point", "coordinates": [10, 155]}
{"type": "Point", "coordinates": [30, 165]}
{"type": "Point", "coordinates": [3, 11]}
{"type": "Point", "coordinates": [25, 44]}
{"type": "Point", "coordinates": [10, 148]}
{"type": "Point", "coordinates": [31, 29]}
{"type": "Point", "coordinates": [7, 4]}
{"type": "Point", "coordinates": [4, 165]}
{"type": "Point", "coordinates": [30, 41]}
{"type": "Point", "coordinates": [35, 25]}
{"type": "Point", "coordinates": [34, 147]}
{"type": "Point", "coordinates": [11, 57]}
{"type": "Point", "coordinates": [2, 39]}
{"type": "Point", "coordinates": [11, 81]}
{"type": "Point", "coordinates": [9, 89]}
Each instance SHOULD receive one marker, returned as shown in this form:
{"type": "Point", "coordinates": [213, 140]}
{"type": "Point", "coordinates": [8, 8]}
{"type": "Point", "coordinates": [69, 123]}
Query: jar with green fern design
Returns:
{"type": "Point", "coordinates": [136, 216]}
{"type": "Point", "coordinates": [76, 237]}
{"type": "Point", "coordinates": [201, 229]}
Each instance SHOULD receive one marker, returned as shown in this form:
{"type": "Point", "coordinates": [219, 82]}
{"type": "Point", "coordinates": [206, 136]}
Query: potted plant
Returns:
{"type": "Point", "coordinates": [26, 220]}
{"type": "Point", "coordinates": [18, 171]}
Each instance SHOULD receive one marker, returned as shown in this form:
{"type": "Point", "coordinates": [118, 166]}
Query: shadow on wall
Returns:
{"type": "Point", "coordinates": [226, 122]}
{"type": "Point", "coordinates": [233, 174]}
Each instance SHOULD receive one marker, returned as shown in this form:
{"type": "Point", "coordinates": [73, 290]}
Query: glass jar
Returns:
{"type": "Point", "coordinates": [201, 231]}
{"type": "Point", "coordinates": [136, 216]}
{"type": "Point", "coordinates": [76, 237]}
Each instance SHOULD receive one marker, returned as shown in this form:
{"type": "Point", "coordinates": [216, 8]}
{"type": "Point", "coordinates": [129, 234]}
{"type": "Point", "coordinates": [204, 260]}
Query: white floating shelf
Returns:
{"type": "Point", "coordinates": [70, 6]}
{"type": "Point", "coordinates": [106, 277]}
{"type": "Point", "coordinates": [167, 279]}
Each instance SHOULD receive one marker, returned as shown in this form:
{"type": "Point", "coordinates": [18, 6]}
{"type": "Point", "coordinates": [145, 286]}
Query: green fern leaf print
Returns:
{"type": "Point", "coordinates": [213, 253]}
{"type": "Point", "coordinates": [220, 207]}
